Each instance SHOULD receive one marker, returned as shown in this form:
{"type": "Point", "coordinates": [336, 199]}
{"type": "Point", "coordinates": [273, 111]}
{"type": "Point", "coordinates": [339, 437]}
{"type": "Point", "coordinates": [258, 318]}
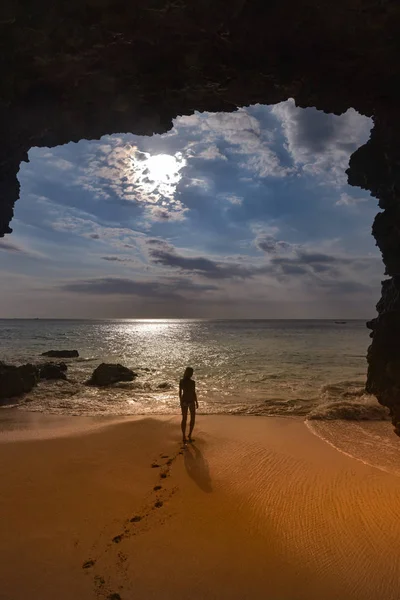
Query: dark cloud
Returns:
{"type": "Point", "coordinates": [316, 270]}
{"type": "Point", "coordinates": [116, 259]}
{"type": "Point", "coordinates": [16, 249]}
{"type": "Point", "coordinates": [155, 242]}
{"type": "Point", "coordinates": [321, 143]}
{"type": "Point", "coordinates": [9, 247]}
{"type": "Point", "coordinates": [94, 236]}
{"type": "Point", "coordinates": [269, 245]}
{"type": "Point", "coordinates": [160, 214]}
{"type": "Point", "coordinates": [313, 258]}
{"type": "Point", "coordinates": [168, 289]}
{"type": "Point", "coordinates": [313, 261]}
{"type": "Point", "coordinates": [166, 255]}
{"type": "Point", "coordinates": [345, 287]}
{"type": "Point", "coordinates": [327, 272]}
{"type": "Point", "coordinates": [316, 129]}
{"type": "Point", "coordinates": [290, 268]}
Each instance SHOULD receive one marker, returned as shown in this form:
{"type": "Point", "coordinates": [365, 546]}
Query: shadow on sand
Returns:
{"type": "Point", "coordinates": [197, 467]}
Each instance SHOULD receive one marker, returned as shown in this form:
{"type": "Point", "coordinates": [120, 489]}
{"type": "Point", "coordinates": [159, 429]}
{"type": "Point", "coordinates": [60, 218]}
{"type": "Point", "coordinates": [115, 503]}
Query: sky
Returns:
{"type": "Point", "coordinates": [228, 215]}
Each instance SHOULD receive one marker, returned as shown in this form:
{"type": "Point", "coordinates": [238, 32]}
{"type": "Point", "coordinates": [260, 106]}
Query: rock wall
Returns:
{"type": "Point", "coordinates": [84, 68]}
{"type": "Point", "coordinates": [376, 167]}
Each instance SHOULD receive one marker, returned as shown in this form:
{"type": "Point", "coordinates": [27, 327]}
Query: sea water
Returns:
{"type": "Point", "coordinates": [311, 368]}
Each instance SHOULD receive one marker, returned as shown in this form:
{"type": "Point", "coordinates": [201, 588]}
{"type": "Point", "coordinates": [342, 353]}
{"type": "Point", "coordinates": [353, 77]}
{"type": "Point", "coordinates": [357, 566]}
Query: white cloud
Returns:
{"type": "Point", "coordinates": [211, 153]}
{"type": "Point", "coordinates": [118, 237]}
{"type": "Point", "coordinates": [231, 198]}
{"type": "Point", "coordinates": [243, 134]}
{"type": "Point", "coordinates": [347, 200]}
{"type": "Point", "coordinates": [202, 183]}
{"type": "Point", "coordinates": [320, 144]}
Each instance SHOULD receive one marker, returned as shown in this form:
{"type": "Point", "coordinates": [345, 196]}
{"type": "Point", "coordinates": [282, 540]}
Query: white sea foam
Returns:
{"type": "Point", "coordinates": [350, 411]}
{"type": "Point", "coordinates": [373, 443]}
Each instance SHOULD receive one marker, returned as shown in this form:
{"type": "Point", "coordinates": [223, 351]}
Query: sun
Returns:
{"type": "Point", "coordinates": [152, 180]}
{"type": "Point", "coordinates": [163, 168]}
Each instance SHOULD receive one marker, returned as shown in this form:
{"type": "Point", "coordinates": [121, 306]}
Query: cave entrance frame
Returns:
{"type": "Point", "coordinates": [87, 69]}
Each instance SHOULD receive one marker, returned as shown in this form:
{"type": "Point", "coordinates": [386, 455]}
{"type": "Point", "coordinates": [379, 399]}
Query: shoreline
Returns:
{"type": "Point", "coordinates": [255, 507]}
{"type": "Point", "coordinates": [352, 438]}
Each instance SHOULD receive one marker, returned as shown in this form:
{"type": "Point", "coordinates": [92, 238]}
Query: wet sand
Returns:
{"type": "Point", "coordinates": [257, 508]}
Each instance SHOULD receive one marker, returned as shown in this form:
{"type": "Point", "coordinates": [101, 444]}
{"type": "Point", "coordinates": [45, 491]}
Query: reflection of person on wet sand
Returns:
{"type": "Point", "coordinates": [188, 400]}
{"type": "Point", "coordinates": [197, 467]}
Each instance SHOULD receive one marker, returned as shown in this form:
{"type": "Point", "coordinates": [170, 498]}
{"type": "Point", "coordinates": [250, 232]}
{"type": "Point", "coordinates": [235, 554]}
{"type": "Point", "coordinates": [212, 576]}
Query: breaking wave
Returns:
{"type": "Point", "coordinates": [367, 410]}
{"type": "Point", "coordinates": [344, 400]}
{"type": "Point", "coordinates": [348, 401]}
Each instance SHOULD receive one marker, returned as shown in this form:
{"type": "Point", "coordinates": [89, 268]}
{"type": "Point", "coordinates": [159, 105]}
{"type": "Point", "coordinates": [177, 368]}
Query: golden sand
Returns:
{"type": "Point", "coordinates": [257, 508]}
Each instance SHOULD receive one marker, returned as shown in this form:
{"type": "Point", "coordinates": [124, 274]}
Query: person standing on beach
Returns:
{"type": "Point", "coordinates": [188, 400]}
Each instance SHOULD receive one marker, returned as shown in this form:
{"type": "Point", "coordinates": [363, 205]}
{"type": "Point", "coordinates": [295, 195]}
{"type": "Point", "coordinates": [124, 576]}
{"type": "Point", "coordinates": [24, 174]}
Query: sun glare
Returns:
{"type": "Point", "coordinates": [163, 168]}
{"type": "Point", "coordinates": [152, 179]}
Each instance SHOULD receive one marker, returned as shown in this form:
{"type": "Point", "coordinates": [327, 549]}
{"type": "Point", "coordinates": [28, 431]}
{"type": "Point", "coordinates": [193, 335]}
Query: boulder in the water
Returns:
{"type": "Point", "coordinates": [15, 381]}
{"type": "Point", "coordinates": [52, 370]}
{"type": "Point", "coordinates": [164, 386]}
{"type": "Point", "coordinates": [61, 353]}
{"type": "Point", "coordinates": [107, 374]}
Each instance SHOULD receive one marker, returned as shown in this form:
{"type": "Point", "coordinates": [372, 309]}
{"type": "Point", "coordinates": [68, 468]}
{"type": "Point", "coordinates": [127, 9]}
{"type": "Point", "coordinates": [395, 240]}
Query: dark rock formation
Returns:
{"type": "Point", "coordinates": [81, 70]}
{"type": "Point", "coordinates": [376, 167]}
{"type": "Point", "coordinates": [15, 381]}
{"type": "Point", "coordinates": [61, 353]}
{"type": "Point", "coordinates": [107, 374]}
{"type": "Point", "coordinates": [53, 370]}
{"type": "Point", "coordinates": [164, 386]}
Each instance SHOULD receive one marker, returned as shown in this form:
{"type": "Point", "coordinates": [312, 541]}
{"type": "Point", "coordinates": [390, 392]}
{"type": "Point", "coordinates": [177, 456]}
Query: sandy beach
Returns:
{"type": "Point", "coordinates": [256, 508]}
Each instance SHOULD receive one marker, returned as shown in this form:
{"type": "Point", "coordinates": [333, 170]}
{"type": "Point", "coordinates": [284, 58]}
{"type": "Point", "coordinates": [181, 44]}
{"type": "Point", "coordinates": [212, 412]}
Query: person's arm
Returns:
{"type": "Point", "coordinates": [195, 395]}
{"type": "Point", "coordinates": [180, 390]}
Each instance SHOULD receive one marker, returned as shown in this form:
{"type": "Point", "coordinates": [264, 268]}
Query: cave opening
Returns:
{"type": "Point", "coordinates": [226, 215]}
{"type": "Point", "coordinates": [257, 196]}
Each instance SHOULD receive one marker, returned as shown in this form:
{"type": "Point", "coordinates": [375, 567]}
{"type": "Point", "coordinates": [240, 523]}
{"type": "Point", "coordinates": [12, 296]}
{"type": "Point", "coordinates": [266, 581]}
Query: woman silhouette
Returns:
{"type": "Point", "coordinates": [188, 400]}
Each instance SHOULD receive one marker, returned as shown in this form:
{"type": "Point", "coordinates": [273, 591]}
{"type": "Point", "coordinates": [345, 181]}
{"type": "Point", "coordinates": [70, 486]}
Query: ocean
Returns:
{"type": "Point", "coordinates": [310, 368]}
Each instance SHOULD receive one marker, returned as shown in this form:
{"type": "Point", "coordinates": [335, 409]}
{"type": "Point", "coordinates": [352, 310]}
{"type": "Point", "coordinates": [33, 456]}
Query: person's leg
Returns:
{"type": "Point", "coordinates": [184, 408]}
{"type": "Point", "coordinates": [192, 409]}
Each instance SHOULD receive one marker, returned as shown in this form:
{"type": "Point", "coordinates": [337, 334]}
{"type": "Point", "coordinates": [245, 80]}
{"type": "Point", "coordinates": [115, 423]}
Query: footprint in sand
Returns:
{"type": "Point", "coordinates": [135, 519]}
{"type": "Point", "coordinates": [99, 582]}
{"type": "Point", "coordinates": [121, 557]}
{"type": "Point", "coordinates": [117, 539]}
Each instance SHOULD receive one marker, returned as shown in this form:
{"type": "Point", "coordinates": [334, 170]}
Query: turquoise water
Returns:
{"type": "Point", "coordinates": [262, 367]}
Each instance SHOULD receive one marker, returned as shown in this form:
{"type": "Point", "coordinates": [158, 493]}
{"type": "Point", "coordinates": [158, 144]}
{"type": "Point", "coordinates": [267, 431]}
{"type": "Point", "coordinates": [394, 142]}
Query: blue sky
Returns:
{"type": "Point", "coordinates": [243, 214]}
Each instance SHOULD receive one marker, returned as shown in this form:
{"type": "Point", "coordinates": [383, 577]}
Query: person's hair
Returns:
{"type": "Point", "coordinates": [188, 372]}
